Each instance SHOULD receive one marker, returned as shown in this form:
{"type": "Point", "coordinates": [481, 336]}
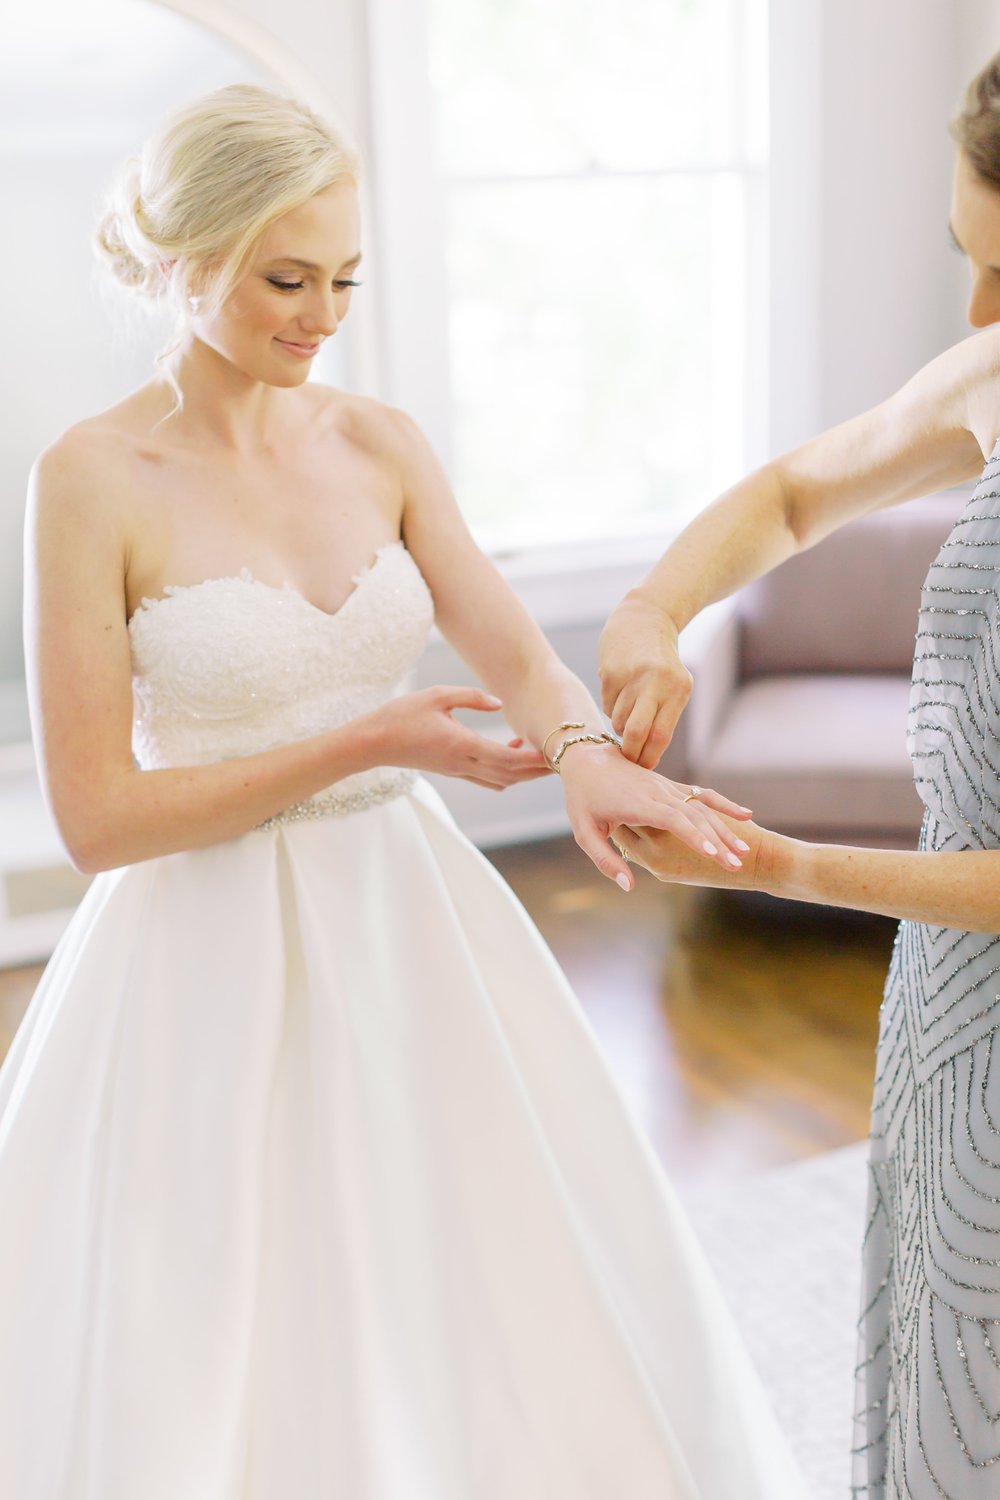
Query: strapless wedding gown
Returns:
{"type": "Point", "coordinates": [313, 1182]}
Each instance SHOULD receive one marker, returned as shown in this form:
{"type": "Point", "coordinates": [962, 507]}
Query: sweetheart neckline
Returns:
{"type": "Point", "coordinates": [148, 603]}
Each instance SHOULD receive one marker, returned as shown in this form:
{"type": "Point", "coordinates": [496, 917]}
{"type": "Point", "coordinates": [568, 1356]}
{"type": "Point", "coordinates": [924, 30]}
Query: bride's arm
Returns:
{"type": "Point", "coordinates": [79, 678]}
{"type": "Point", "coordinates": [481, 616]}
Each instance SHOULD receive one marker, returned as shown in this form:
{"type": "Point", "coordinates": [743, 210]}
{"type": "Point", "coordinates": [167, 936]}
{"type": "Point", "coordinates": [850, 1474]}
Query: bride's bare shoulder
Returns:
{"type": "Point", "coordinates": [94, 460]}
{"type": "Point", "coordinates": [369, 424]}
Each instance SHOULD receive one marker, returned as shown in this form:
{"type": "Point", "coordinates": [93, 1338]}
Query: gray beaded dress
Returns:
{"type": "Point", "coordinates": [927, 1419]}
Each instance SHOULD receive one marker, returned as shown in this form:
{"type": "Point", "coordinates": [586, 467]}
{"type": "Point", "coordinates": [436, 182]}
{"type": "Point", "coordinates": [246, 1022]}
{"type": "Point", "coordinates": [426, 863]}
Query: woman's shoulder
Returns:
{"type": "Point", "coordinates": [955, 396]}
{"type": "Point", "coordinates": [108, 435]}
{"type": "Point", "coordinates": [378, 428]}
{"type": "Point", "coordinates": [980, 367]}
{"type": "Point", "coordinates": [975, 359]}
{"type": "Point", "coordinates": [971, 364]}
{"type": "Point", "coordinates": [91, 461]}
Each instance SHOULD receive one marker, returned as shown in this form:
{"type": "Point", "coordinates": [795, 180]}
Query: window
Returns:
{"type": "Point", "coordinates": [602, 168]}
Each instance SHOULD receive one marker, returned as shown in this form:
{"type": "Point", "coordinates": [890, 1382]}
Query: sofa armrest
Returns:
{"type": "Point", "coordinates": [850, 603]}
{"type": "Point", "coordinates": [710, 649]}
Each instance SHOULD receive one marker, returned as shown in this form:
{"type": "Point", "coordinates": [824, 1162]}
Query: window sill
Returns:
{"type": "Point", "coordinates": [579, 582]}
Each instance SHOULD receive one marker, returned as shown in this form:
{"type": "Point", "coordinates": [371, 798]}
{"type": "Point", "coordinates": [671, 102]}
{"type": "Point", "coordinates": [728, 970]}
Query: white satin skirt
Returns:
{"type": "Point", "coordinates": [315, 1186]}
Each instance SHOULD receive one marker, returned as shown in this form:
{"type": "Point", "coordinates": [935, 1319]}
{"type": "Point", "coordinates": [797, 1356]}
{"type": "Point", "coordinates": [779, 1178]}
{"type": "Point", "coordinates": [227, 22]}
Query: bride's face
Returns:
{"type": "Point", "coordinates": [296, 292]}
{"type": "Point", "coordinates": [975, 229]}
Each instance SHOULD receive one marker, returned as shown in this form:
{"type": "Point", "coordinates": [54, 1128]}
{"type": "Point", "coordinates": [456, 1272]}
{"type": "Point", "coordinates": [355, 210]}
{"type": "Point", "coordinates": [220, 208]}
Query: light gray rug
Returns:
{"type": "Point", "coordinates": [785, 1246]}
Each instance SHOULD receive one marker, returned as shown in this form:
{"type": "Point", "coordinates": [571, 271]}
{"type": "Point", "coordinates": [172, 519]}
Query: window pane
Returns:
{"type": "Point", "coordinates": [536, 86]}
{"type": "Point", "coordinates": [596, 363]}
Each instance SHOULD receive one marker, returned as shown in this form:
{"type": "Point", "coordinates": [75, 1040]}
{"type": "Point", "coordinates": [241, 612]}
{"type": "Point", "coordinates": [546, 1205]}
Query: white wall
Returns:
{"type": "Point", "coordinates": [978, 34]}
{"type": "Point", "coordinates": [792, 321]}
{"type": "Point", "coordinates": [865, 285]}
{"type": "Point", "coordinates": [891, 286]}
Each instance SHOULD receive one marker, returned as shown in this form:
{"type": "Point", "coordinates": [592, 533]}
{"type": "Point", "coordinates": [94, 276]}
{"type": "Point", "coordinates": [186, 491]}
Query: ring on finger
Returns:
{"type": "Point", "coordinates": [621, 850]}
{"type": "Point", "coordinates": [692, 795]}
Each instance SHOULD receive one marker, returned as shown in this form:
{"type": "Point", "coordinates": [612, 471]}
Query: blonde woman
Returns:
{"type": "Point", "coordinates": [312, 1180]}
{"type": "Point", "coordinates": [928, 1391]}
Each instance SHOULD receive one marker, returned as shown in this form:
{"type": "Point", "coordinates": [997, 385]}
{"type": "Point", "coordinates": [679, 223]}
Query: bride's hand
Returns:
{"type": "Point", "coordinates": [417, 730]}
{"type": "Point", "coordinates": [604, 791]}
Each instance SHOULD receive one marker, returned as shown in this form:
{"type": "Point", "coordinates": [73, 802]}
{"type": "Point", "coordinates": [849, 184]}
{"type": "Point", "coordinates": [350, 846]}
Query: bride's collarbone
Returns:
{"type": "Point", "coordinates": [266, 499]}
{"type": "Point", "coordinates": [311, 527]}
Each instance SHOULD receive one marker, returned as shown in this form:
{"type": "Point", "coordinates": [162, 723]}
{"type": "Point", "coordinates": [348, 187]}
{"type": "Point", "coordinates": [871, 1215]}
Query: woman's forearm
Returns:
{"type": "Point", "coordinates": [644, 683]}
{"type": "Point", "coordinates": [945, 889]}
{"type": "Point", "coordinates": [915, 442]}
{"type": "Point", "coordinates": [144, 814]}
{"type": "Point", "coordinates": [959, 889]}
{"type": "Point", "coordinates": [742, 534]}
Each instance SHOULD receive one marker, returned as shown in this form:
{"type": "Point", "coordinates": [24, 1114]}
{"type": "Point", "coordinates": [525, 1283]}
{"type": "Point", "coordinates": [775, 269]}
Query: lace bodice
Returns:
{"type": "Point", "coordinates": [233, 666]}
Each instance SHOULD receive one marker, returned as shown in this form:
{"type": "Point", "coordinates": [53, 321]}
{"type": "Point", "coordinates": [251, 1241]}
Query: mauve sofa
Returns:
{"type": "Point", "coordinates": [802, 682]}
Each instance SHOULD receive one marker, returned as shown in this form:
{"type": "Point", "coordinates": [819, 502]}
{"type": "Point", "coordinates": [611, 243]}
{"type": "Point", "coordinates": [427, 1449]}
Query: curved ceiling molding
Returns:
{"type": "Point", "coordinates": [256, 40]}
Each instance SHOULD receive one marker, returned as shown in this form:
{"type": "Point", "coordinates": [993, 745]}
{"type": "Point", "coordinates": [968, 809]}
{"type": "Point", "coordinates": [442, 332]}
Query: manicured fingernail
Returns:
{"type": "Point", "coordinates": [709, 848]}
{"type": "Point", "coordinates": [741, 845]}
{"type": "Point", "coordinates": [731, 859]}
{"type": "Point", "coordinates": [622, 880]}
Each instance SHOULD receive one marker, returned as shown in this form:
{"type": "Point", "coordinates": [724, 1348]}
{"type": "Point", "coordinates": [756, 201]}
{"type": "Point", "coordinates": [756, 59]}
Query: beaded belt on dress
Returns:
{"type": "Point", "coordinates": [338, 801]}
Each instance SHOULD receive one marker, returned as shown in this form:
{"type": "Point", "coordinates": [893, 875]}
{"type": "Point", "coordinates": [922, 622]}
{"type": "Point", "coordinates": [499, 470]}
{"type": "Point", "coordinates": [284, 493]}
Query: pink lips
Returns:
{"type": "Point", "coordinates": [301, 351]}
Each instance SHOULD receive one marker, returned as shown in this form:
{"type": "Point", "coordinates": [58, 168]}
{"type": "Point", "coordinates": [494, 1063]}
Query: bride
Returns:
{"type": "Point", "coordinates": [312, 1180]}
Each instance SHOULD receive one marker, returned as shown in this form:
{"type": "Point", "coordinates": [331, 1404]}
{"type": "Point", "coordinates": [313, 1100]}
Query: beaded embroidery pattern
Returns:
{"type": "Point", "coordinates": [927, 1417]}
{"type": "Point", "coordinates": [232, 666]}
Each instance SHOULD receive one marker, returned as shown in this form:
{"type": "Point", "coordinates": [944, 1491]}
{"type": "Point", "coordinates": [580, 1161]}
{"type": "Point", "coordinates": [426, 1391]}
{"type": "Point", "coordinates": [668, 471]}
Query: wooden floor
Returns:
{"type": "Point", "coordinates": [742, 1029]}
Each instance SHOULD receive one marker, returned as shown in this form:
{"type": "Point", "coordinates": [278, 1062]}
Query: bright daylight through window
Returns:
{"type": "Point", "coordinates": [604, 175]}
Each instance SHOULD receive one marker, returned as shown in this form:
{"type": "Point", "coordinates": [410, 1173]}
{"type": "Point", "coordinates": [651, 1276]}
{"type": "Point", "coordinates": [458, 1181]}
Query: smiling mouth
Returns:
{"type": "Point", "coordinates": [306, 350]}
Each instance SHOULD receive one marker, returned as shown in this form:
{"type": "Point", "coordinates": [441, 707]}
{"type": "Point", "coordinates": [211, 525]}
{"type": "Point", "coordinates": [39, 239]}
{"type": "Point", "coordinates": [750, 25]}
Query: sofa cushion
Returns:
{"type": "Point", "coordinates": [818, 753]}
{"type": "Point", "coordinates": [850, 603]}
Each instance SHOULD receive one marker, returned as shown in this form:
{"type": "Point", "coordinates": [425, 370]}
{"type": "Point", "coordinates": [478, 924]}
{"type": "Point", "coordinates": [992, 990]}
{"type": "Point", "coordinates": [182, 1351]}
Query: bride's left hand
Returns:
{"type": "Point", "coordinates": [604, 791]}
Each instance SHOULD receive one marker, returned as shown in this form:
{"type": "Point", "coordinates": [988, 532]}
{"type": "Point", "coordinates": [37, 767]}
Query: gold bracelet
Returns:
{"type": "Point", "coordinates": [583, 739]}
{"type": "Point", "coordinates": [557, 730]}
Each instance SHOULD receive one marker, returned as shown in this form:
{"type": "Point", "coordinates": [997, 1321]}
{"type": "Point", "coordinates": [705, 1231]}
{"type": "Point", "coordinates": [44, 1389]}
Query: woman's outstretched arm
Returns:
{"type": "Point", "coordinates": [932, 433]}
{"type": "Point", "coordinates": [959, 889]}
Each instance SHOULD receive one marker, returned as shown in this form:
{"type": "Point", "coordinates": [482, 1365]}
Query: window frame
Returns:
{"type": "Point", "coordinates": [409, 208]}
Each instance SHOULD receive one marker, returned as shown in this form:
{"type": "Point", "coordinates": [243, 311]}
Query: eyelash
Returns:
{"type": "Point", "coordinates": [296, 286]}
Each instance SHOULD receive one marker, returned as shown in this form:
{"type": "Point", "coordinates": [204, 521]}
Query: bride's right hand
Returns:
{"type": "Point", "coordinates": [417, 730]}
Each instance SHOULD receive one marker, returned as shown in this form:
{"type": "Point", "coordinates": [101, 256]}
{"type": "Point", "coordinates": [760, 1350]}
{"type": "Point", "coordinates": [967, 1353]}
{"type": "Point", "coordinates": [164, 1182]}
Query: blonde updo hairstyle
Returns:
{"type": "Point", "coordinates": [184, 217]}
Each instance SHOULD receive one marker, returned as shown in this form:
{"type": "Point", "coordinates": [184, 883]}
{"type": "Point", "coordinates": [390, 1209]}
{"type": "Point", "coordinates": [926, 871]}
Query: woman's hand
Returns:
{"type": "Point", "coordinates": [669, 859]}
{"type": "Point", "coordinates": [644, 684]}
{"type": "Point", "coordinates": [604, 791]}
{"type": "Point", "coordinates": [417, 730]}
